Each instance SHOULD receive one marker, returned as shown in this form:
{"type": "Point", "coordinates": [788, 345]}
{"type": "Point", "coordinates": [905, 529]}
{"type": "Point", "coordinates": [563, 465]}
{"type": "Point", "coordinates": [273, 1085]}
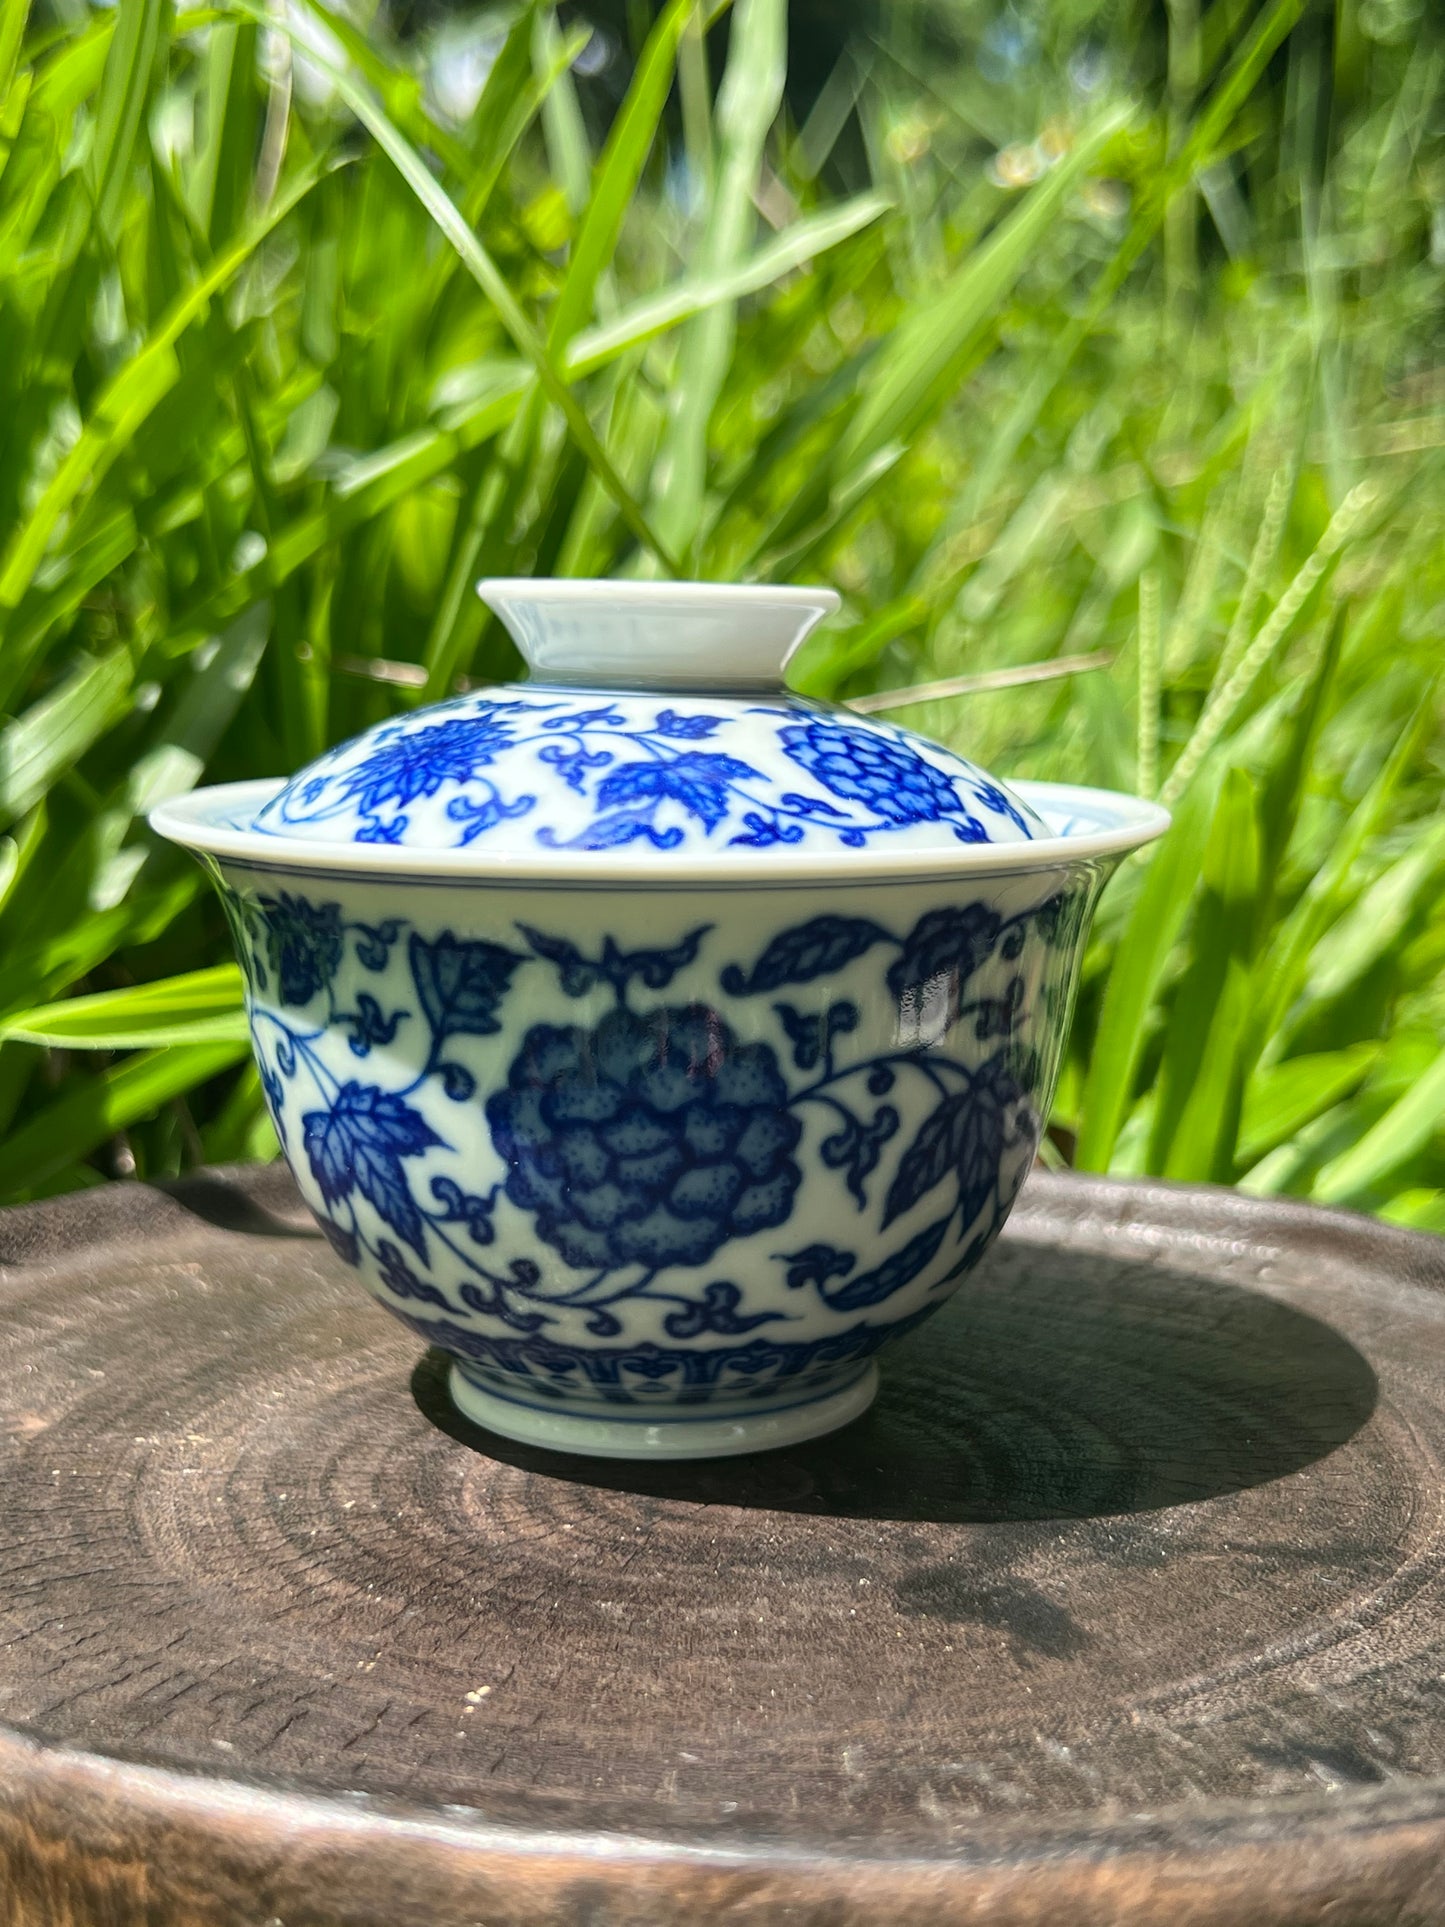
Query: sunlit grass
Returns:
{"type": "Point", "coordinates": [1038, 341]}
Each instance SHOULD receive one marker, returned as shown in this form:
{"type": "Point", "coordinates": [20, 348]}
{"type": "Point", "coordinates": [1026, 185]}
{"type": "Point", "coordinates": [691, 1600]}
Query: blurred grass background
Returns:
{"type": "Point", "coordinates": [1064, 329]}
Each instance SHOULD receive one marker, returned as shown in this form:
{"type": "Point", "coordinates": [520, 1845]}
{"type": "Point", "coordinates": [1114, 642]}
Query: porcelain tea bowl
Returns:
{"type": "Point", "coordinates": [655, 1042]}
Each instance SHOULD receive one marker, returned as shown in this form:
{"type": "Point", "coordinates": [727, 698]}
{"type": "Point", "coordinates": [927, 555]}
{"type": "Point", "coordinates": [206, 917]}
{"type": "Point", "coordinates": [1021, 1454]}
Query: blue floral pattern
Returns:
{"type": "Point", "coordinates": [895, 782]}
{"type": "Point", "coordinates": [356, 1145]}
{"type": "Point", "coordinates": [538, 770]}
{"type": "Point", "coordinates": [645, 1157]}
{"type": "Point", "coordinates": [649, 1140]}
{"type": "Point", "coordinates": [647, 1373]}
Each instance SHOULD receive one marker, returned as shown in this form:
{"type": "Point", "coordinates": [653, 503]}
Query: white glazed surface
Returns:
{"type": "Point", "coordinates": [1080, 824]}
{"type": "Point", "coordinates": [532, 771]}
{"type": "Point", "coordinates": [658, 1158]}
{"type": "Point", "coordinates": [660, 635]}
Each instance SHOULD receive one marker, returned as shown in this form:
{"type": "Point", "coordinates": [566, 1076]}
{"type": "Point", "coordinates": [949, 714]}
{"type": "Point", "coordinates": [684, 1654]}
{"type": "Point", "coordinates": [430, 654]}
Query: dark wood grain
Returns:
{"type": "Point", "coordinates": [1124, 1603]}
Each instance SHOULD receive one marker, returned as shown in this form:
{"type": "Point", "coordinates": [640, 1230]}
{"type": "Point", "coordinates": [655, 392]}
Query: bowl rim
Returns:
{"type": "Point", "coordinates": [561, 588]}
{"type": "Point", "coordinates": [204, 821]}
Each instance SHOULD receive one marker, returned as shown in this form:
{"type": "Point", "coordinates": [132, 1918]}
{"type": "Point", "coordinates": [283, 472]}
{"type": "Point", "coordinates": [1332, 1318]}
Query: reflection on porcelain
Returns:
{"type": "Point", "coordinates": [657, 1094]}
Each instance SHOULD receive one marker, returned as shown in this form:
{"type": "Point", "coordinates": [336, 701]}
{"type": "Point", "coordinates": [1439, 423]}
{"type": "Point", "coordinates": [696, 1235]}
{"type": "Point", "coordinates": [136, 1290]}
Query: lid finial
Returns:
{"type": "Point", "coordinates": [656, 635]}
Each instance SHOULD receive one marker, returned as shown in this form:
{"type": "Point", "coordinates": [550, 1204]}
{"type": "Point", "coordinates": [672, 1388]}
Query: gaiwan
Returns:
{"type": "Point", "coordinates": [655, 1042]}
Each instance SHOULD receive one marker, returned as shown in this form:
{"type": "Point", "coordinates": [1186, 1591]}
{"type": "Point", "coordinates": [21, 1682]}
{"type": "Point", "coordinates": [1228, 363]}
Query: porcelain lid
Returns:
{"type": "Point", "coordinates": [655, 722]}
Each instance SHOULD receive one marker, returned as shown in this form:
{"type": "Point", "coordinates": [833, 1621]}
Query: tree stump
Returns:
{"type": "Point", "coordinates": [1125, 1603]}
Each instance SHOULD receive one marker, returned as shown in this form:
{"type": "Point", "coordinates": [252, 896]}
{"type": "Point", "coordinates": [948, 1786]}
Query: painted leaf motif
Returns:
{"type": "Point", "coordinates": [373, 942]}
{"type": "Point", "coordinates": [632, 783]}
{"type": "Point", "coordinates": [761, 832]}
{"type": "Point", "coordinates": [855, 1148]}
{"type": "Point", "coordinates": [654, 968]}
{"type": "Point", "coordinates": [805, 1034]}
{"type": "Point", "coordinates": [811, 805]}
{"type": "Point", "coordinates": [480, 816]}
{"type": "Point", "coordinates": [578, 975]}
{"type": "Point", "coordinates": [458, 1083]}
{"type": "Point", "coordinates": [996, 1016]}
{"type": "Point", "coordinates": [716, 1312]}
{"type": "Point", "coordinates": [491, 1300]}
{"type": "Point", "coordinates": [689, 728]}
{"type": "Point", "coordinates": [468, 1208]}
{"type": "Point", "coordinates": [303, 944]}
{"type": "Point", "coordinates": [460, 982]}
{"type": "Point", "coordinates": [370, 1024]}
{"type": "Point", "coordinates": [698, 779]}
{"type": "Point", "coordinates": [815, 1265]}
{"type": "Point", "coordinates": [609, 716]}
{"type": "Point", "coordinates": [358, 1145]}
{"type": "Point", "coordinates": [572, 765]}
{"type": "Point", "coordinates": [964, 1138]}
{"type": "Point", "coordinates": [872, 1287]}
{"type": "Point", "coordinates": [1057, 919]}
{"type": "Point", "coordinates": [399, 1277]}
{"type": "Point", "coordinates": [806, 952]}
{"type": "Point", "coordinates": [615, 832]}
{"type": "Point", "coordinates": [811, 1032]}
{"type": "Point", "coordinates": [949, 943]}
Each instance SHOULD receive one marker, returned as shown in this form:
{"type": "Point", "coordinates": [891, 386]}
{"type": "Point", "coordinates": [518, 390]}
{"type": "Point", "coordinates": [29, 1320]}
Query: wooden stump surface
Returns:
{"type": "Point", "coordinates": [1124, 1604]}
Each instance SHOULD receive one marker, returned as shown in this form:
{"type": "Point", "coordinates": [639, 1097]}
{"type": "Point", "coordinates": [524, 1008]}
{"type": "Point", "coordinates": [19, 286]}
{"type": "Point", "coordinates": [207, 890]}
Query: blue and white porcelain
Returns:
{"type": "Point", "coordinates": [656, 1043]}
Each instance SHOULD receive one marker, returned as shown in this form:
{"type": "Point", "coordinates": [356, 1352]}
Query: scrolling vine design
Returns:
{"type": "Point", "coordinates": [655, 776]}
{"type": "Point", "coordinates": [641, 1143]}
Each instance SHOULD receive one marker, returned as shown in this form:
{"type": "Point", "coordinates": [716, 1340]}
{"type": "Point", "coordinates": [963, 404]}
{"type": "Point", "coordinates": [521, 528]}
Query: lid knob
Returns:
{"type": "Point", "coordinates": [656, 635]}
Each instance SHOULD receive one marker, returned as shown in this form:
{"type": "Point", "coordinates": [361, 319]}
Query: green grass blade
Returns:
{"type": "Point", "coordinates": [1285, 965]}
{"type": "Point", "coordinates": [123, 92]}
{"type": "Point", "coordinates": [401, 92]}
{"type": "Point", "coordinates": [1404, 1129]}
{"type": "Point", "coordinates": [568, 150]}
{"type": "Point", "coordinates": [1139, 963]}
{"type": "Point", "coordinates": [642, 321]}
{"type": "Point", "coordinates": [1146, 758]}
{"type": "Point", "coordinates": [495, 501]}
{"type": "Point", "coordinates": [129, 397]}
{"type": "Point", "coordinates": [53, 733]}
{"type": "Point", "coordinates": [20, 851]}
{"type": "Point", "coordinates": [47, 963]}
{"type": "Point", "coordinates": [216, 685]}
{"type": "Point", "coordinates": [1201, 1077]}
{"type": "Point", "coordinates": [363, 492]}
{"type": "Point", "coordinates": [13, 15]}
{"type": "Point", "coordinates": [35, 163]}
{"type": "Point", "coordinates": [1271, 26]}
{"type": "Point", "coordinates": [199, 1007]}
{"type": "Point", "coordinates": [629, 142]}
{"type": "Point", "coordinates": [1375, 927]}
{"type": "Point", "coordinates": [74, 1125]}
{"type": "Point", "coordinates": [830, 655]}
{"type": "Point", "coordinates": [923, 357]}
{"type": "Point", "coordinates": [484, 271]}
{"type": "Point", "coordinates": [1288, 774]}
{"type": "Point", "coordinates": [1420, 1207]}
{"type": "Point", "coordinates": [695, 89]}
{"type": "Point", "coordinates": [747, 104]}
{"type": "Point", "coordinates": [1283, 1100]}
{"type": "Point", "coordinates": [1224, 703]}
{"type": "Point", "coordinates": [503, 108]}
{"type": "Point", "coordinates": [95, 548]}
{"type": "Point", "coordinates": [235, 132]}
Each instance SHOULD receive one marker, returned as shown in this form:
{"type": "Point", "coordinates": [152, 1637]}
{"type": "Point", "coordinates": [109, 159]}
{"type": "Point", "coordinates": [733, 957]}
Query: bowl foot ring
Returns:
{"type": "Point", "coordinates": [646, 1437]}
